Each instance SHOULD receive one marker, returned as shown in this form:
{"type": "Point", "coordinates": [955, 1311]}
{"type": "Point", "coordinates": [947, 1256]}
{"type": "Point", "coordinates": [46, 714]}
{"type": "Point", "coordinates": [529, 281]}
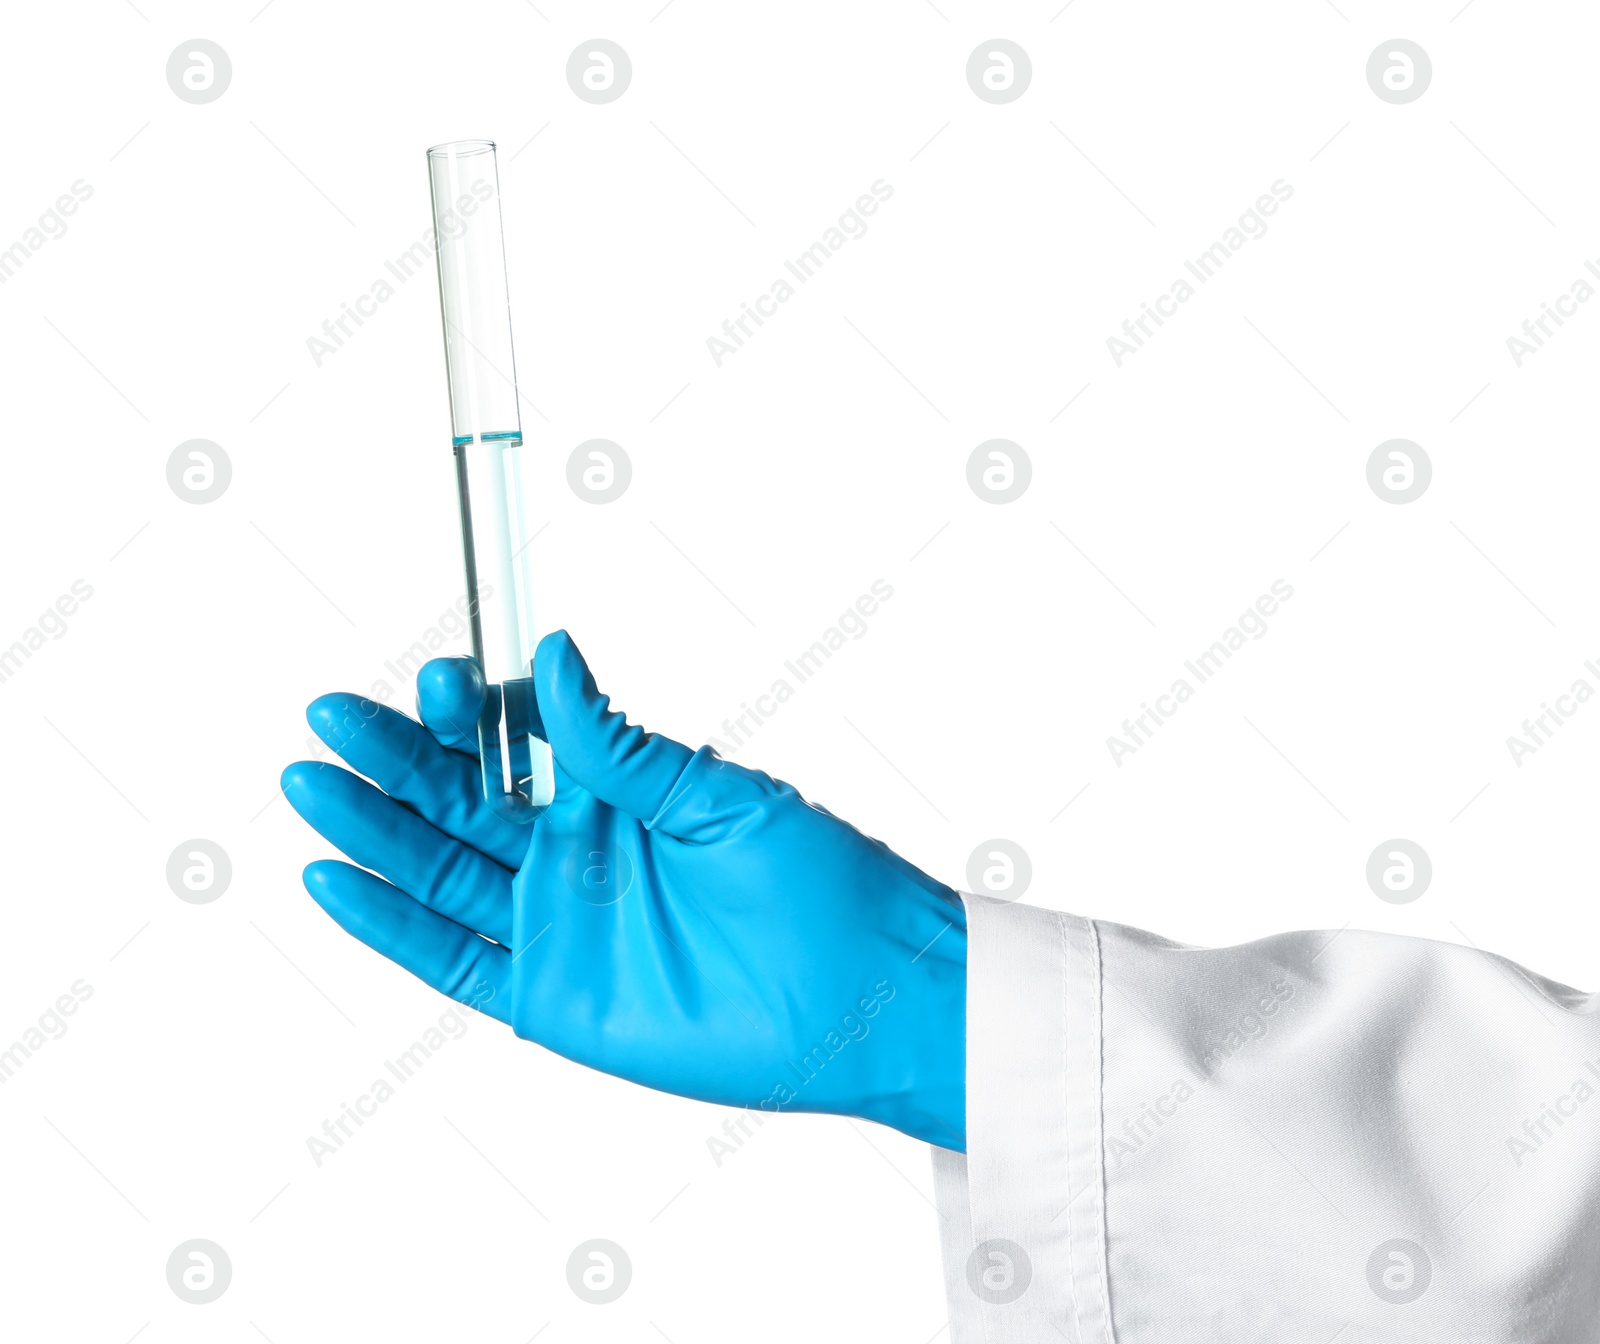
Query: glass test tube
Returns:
{"type": "Point", "coordinates": [486, 425]}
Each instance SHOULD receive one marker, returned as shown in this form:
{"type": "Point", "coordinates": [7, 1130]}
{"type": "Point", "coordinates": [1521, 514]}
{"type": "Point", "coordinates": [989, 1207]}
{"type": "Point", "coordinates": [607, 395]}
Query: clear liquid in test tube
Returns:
{"type": "Point", "coordinates": [486, 429]}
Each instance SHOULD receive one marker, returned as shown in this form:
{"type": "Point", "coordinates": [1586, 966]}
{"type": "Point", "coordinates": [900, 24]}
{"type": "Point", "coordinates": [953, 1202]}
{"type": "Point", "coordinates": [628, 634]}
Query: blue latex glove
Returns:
{"type": "Point", "coordinates": [673, 918]}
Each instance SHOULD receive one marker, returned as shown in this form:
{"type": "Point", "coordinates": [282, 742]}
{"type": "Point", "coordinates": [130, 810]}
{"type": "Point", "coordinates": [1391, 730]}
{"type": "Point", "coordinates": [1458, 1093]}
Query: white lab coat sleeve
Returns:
{"type": "Point", "coordinates": [1319, 1137]}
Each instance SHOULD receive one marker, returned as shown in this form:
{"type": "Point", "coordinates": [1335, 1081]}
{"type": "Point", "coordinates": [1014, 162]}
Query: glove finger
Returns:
{"type": "Point", "coordinates": [409, 763]}
{"type": "Point", "coordinates": [454, 960]}
{"type": "Point", "coordinates": [618, 762]}
{"type": "Point", "coordinates": [376, 832]}
{"type": "Point", "coordinates": [450, 697]}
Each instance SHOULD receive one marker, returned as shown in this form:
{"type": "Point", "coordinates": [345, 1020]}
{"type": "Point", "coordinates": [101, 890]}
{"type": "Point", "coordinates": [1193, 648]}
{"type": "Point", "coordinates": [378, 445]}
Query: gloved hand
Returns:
{"type": "Point", "coordinates": [673, 918]}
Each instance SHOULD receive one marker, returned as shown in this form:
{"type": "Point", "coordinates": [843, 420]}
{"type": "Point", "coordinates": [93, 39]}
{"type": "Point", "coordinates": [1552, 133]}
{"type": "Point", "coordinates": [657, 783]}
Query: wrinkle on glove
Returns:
{"type": "Point", "coordinates": [1353, 1136]}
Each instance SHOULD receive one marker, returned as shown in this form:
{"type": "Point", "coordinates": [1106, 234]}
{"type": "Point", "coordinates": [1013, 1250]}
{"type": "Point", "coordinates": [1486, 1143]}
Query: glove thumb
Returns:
{"type": "Point", "coordinates": [618, 762]}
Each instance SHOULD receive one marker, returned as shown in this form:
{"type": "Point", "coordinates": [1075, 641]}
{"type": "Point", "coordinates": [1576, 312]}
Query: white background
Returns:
{"type": "Point", "coordinates": [829, 452]}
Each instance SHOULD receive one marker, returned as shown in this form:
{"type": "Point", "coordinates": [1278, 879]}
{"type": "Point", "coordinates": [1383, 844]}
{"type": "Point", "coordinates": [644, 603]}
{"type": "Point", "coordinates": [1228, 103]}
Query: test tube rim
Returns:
{"type": "Point", "coordinates": [461, 149]}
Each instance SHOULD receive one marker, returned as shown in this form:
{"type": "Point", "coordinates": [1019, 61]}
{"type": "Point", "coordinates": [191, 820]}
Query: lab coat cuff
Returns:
{"type": "Point", "coordinates": [1022, 1213]}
